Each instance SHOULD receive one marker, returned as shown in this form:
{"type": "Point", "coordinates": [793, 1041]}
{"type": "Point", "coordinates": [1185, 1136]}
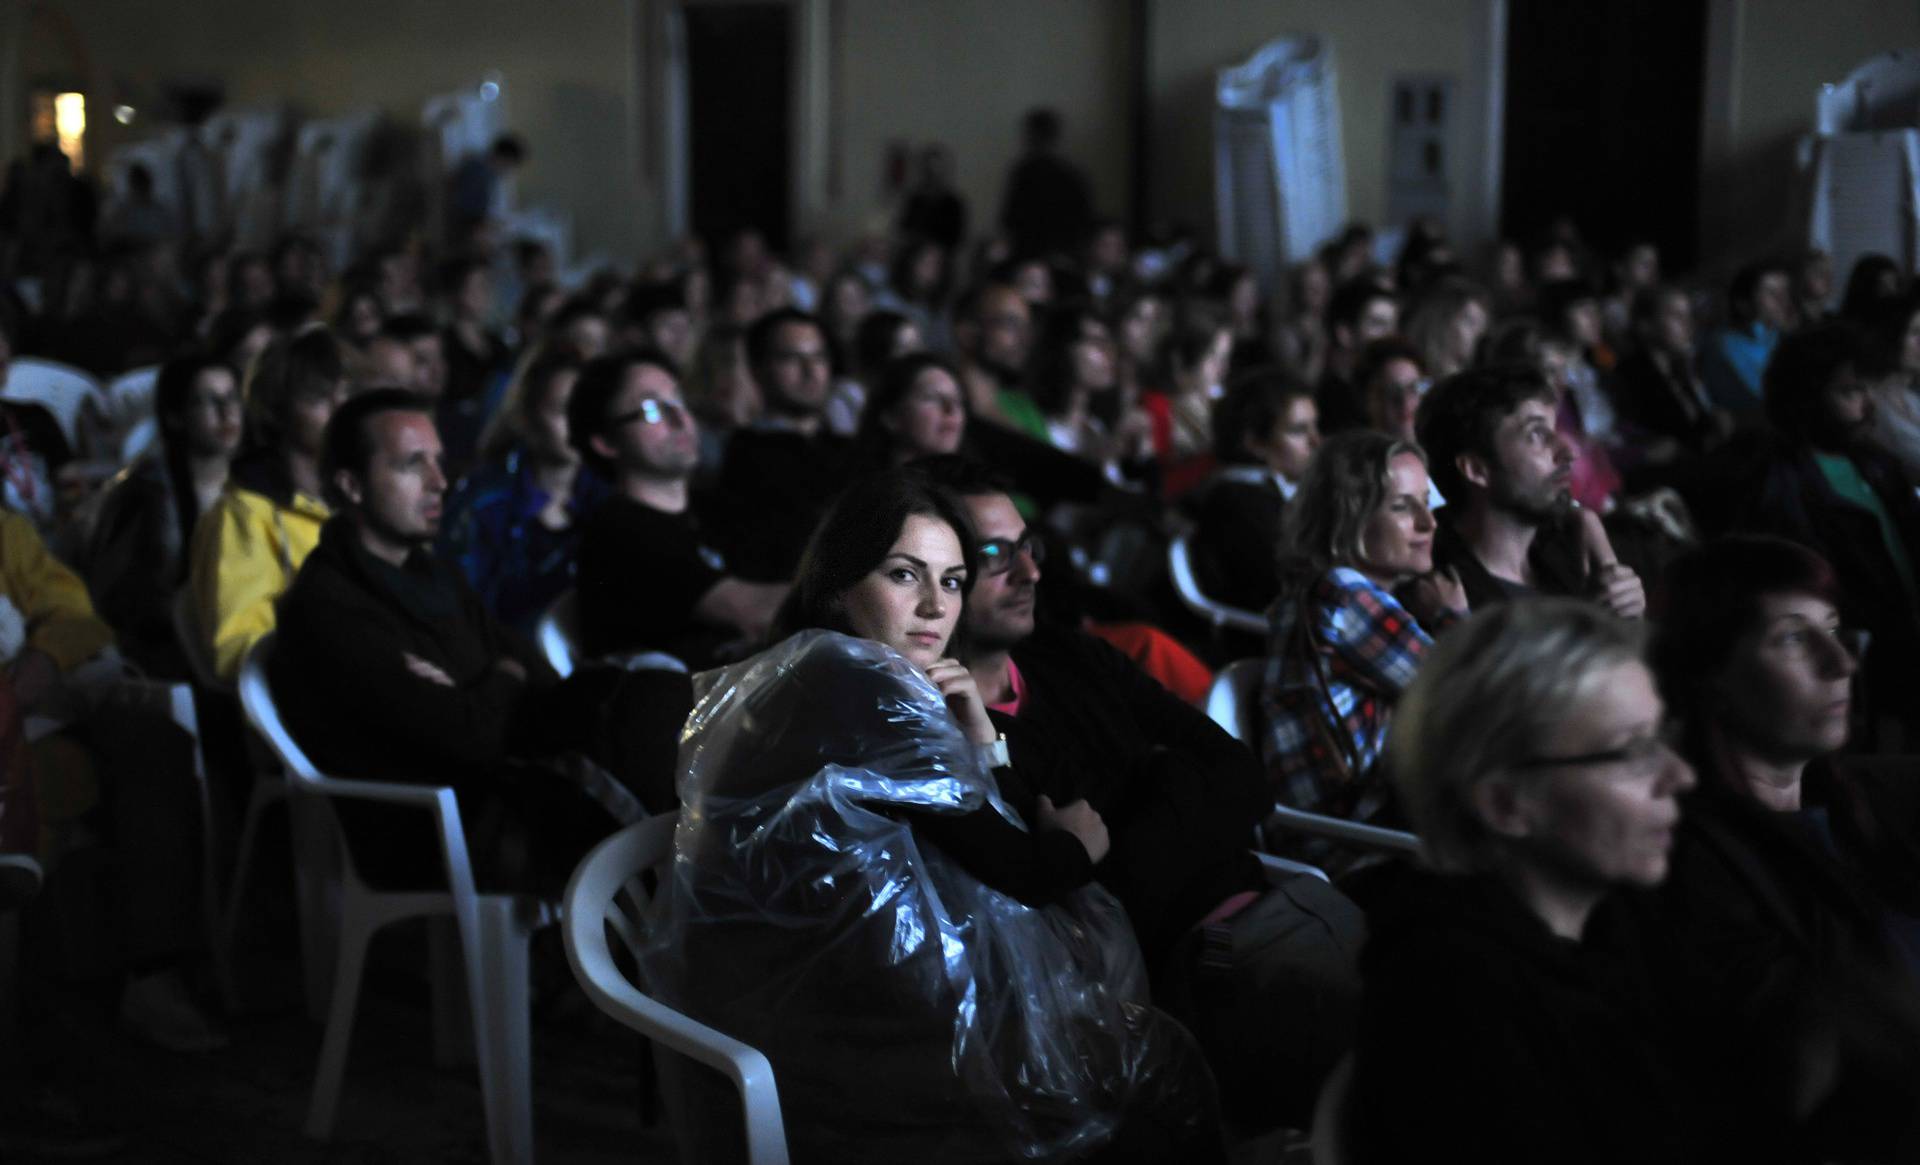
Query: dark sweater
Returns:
{"type": "Point", "coordinates": [1180, 797]}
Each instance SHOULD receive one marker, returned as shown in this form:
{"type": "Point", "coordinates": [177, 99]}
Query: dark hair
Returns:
{"type": "Point", "coordinates": [287, 367]}
{"type": "Point", "coordinates": [1556, 300]}
{"type": "Point", "coordinates": [963, 476]}
{"type": "Point", "coordinates": [1799, 372]}
{"type": "Point", "coordinates": [1042, 126]}
{"type": "Point", "coordinates": [348, 444]}
{"type": "Point", "coordinates": [874, 441]}
{"type": "Point", "coordinates": [455, 272]}
{"type": "Point", "coordinates": [1255, 402]}
{"type": "Point", "coordinates": [1351, 298]}
{"type": "Point", "coordinates": [760, 335]}
{"type": "Point", "coordinates": [1746, 285]}
{"type": "Point", "coordinates": [1377, 354]}
{"type": "Point", "coordinates": [1886, 335]}
{"type": "Point", "coordinates": [408, 327]}
{"type": "Point", "coordinates": [1710, 597]}
{"type": "Point", "coordinates": [854, 537]}
{"type": "Point", "coordinates": [600, 380]}
{"type": "Point", "coordinates": [646, 300]}
{"type": "Point", "coordinates": [525, 394]}
{"type": "Point", "coordinates": [1863, 286]}
{"type": "Point", "coordinates": [1648, 301]}
{"type": "Point", "coordinates": [1050, 370]}
{"type": "Point", "coordinates": [873, 341]}
{"type": "Point", "coordinates": [1462, 412]}
{"type": "Point", "coordinates": [172, 397]}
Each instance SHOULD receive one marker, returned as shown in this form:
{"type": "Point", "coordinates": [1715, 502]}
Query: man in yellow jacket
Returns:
{"type": "Point", "coordinates": [247, 548]}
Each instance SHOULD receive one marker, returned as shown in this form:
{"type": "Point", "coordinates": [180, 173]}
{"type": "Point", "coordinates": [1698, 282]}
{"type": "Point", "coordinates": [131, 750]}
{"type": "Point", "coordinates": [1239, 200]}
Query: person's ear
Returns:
{"type": "Point", "coordinates": [600, 445]}
{"type": "Point", "coordinates": [1474, 469]}
{"type": "Point", "coordinates": [1501, 806]}
{"type": "Point", "coordinates": [348, 486]}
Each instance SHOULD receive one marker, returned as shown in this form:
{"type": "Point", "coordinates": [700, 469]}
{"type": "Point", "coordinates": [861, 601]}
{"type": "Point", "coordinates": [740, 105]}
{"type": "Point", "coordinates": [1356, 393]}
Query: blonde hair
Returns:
{"type": "Point", "coordinates": [1344, 484]}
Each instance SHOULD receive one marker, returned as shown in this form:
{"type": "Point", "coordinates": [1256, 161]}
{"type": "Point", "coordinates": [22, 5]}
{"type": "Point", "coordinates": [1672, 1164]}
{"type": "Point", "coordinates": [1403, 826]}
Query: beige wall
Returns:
{"type": "Point", "coordinates": [566, 67]}
{"type": "Point", "coordinates": [963, 72]}
{"type": "Point", "coordinates": [1784, 51]}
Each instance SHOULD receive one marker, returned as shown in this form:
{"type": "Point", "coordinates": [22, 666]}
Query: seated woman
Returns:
{"type": "Point", "coordinates": [1265, 431]}
{"type": "Point", "coordinates": [917, 409]}
{"type": "Point", "coordinates": [1342, 647]}
{"type": "Point", "coordinates": [1506, 1015]}
{"type": "Point", "coordinates": [933, 979]}
{"type": "Point", "coordinates": [137, 556]}
{"type": "Point", "coordinates": [513, 524]}
{"type": "Point", "coordinates": [1795, 895]}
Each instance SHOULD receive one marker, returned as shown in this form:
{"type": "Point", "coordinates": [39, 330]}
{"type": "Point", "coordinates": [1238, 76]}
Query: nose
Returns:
{"type": "Point", "coordinates": [1676, 775]}
{"type": "Point", "coordinates": [1422, 518]}
{"type": "Point", "coordinates": [1562, 450]}
{"type": "Point", "coordinates": [1025, 568]}
{"type": "Point", "coordinates": [933, 601]}
{"type": "Point", "coordinates": [1836, 659]}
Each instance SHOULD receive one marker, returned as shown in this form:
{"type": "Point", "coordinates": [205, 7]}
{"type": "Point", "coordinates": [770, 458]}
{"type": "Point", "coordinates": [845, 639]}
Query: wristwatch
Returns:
{"type": "Point", "coordinates": [997, 755]}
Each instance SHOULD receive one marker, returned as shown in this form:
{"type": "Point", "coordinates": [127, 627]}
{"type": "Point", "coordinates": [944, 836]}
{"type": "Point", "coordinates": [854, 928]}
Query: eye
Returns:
{"type": "Point", "coordinates": [951, 583]}
{"type": "Point", "coordinates": [902, 574]}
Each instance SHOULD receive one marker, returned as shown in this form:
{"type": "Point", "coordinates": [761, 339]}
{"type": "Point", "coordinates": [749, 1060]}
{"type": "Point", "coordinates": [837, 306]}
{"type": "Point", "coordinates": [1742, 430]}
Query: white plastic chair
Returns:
{"type": "Point", "coordinates": [557, 634]}
{"type": "Point", "coordinates": [492, 931]}
{"type": "Point", "coordinates": [129, 398]}
{"type": "Point", "coordinates": [1187, 585]}
{"type": "Point", "coordinates": [65, 391]}
{"type": "Point", "coordinates": [593, 906]}
{"type": "Point", "coordinates": [1233, 702]}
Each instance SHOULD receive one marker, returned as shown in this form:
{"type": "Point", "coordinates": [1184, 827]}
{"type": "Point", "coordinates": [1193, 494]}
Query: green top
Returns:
{"type": "Point", "coordinates": [1023, 414]}
{"type": "Point", "coordinates": [1844, 476]}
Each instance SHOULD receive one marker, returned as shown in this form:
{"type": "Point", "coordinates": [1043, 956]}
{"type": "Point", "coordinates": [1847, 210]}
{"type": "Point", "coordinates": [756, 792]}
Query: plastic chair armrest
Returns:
{"type": "Point", "coordinates": [1320, 825]}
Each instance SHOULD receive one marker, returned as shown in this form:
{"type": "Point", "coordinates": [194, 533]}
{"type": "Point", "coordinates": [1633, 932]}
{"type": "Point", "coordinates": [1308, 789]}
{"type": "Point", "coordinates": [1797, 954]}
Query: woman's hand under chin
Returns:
{"type": "Point", "coordinates": [963, 699]}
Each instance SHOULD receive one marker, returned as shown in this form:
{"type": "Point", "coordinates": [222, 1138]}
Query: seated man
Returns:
{"type": "Point", "coordinates": [1510, 527]}
{"type": "Point", "coordinates": [388, 666]}
{"type": "Point", "coordinates": [1264, 977]}
{"type": "Point", "coordinates": [780, 474]}
{"type": "Point", "coordinates": [646, 577]}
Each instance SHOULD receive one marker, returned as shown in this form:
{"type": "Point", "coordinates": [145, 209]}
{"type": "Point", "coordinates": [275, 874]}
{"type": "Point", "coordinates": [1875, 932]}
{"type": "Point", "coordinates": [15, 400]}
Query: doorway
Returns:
{"type": "Point", "coordinates": [739, 118]}
{"type": "Point", "coordinates": [1603, 117]}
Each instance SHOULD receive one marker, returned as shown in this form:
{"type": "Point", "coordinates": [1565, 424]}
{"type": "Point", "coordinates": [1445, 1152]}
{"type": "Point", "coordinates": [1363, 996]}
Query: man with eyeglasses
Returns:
{"type": "Point", "coordinates": [1265, 978]}
{"type": "Point", "coordinates": [780, 474]}
{"type": "Point", "coordinates": [648, 577]}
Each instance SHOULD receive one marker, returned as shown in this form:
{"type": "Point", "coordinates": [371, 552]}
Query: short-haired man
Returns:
{"type": "Point", "coordinates": [1510, 526]}
{"type": "Point", "coordinates": [647, 577]}
{"type": "Point", "coordinates": [1263, 976]}
{"type": "Point", "coordinates": [992, 336]}
{"type": "Point", "coordinates": [779, 475]}
{"type": "Point", "coordinates": [1362, 310]}
{"type": "Point", "coordinates": [657, 319]}
{"type": "Point", "coordinates": [1760, 306]}
{"type": "Point", "coordinates": [387, 665]}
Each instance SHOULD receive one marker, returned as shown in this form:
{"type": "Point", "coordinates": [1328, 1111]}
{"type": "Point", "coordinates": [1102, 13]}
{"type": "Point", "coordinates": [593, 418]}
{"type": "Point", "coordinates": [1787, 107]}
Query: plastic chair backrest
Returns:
{"type": "Point", "coordinates": [130, 397]}
{"type": "Point", "coordinates": [593, 907]}
{"type": "Point", "coordinates": [1187, 584]}
{"type": "Point", "coordinates": [61, 389]}
{"type": "Point", "coordinates": [555, 633]}
{"type": "Point", "coordinates": [1234, 698]}
{"type": "Point", "coordinates": [257, 698]}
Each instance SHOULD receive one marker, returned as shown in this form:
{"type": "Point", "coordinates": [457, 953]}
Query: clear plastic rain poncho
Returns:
{"type": "Point", "coordinates": [911, 1013]}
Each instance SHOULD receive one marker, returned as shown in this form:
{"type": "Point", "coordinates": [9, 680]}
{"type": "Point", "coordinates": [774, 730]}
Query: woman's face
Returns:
{"type": "Point", "coordinates": [1910, 346]}
{"type": "Point", "coordinates": [849, 301]}
{"type": "Point", "coordinates": [363, 319]}
{"type": "Point", "coordinates": [546, 422]}
{"type": "Point", "coordinates": [1093, 357]}
{"type": "Point", "coordinates": [1397, 541]}
{"type": "Point", "coordinates": [1463, 335]}
{"type": "Point", "coordinates": [1141, 330]}
{"type": "Point", "coordinates": [1674, 325]}
{"type": "Point", "coordinates": [212, 421]}
{"type": "Point", "coordinates": [308, 413]}
{"type": "Point", "coordinates": [911, 601]}
{"type": "Point", "coordinates": [1316, 290]}
{"type": "Point", "coordinates": [1788, 687]}
{"type": "Point", "coordinates": [930, 419]}
{"type": "Point", "coordinates": [1605, 814]}
{"type": "Point", "coordinates": [1295, 436]}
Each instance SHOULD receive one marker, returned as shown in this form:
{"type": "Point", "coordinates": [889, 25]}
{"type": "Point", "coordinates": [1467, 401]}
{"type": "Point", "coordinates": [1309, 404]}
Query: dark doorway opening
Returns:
{"type": "Point", "coordinates": [738, 64]}
{"type": "Point", "coordinates": [1603, 110]}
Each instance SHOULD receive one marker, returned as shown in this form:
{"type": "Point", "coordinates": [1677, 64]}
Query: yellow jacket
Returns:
{"type": "Point", "coordinates": [245, 551]}
{"type": "Point", "coordinates": [59, 615]}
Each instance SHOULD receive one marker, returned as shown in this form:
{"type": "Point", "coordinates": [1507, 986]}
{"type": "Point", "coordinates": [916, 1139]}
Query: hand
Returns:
{"type": "Point", "coordinates": [1618, 589]}
{"type": "Point", "coordinates": [36, 680]}
{"type": "Point", "coordinates": [426, 671]}
{"type": "Point", "coordinates": [511, 669]}
{"type": "Point", "coordinates": [1433, 594]}
{"type": "Point", "coordinates": [1080, 819]}
{"type": "Point", "coordinates": [963, 699]}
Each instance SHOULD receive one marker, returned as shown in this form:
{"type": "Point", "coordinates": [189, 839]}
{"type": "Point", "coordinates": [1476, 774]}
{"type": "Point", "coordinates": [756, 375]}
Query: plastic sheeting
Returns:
{"type": "Point", "coordinates": [910, 1012]}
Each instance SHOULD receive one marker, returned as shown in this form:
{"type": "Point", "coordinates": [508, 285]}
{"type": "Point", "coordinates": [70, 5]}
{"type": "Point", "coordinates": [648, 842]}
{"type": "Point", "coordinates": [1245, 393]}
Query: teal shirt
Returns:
{"type": "Point", "coordinates": [1844, 476]}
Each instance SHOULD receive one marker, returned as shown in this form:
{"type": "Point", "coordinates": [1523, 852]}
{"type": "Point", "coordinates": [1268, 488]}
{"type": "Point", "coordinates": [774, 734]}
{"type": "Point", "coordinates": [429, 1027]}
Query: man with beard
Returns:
{"type": "Point", "coordinates": [1822, 483]}
{"type": "Point", "coordinates": [647, 575]}
{"type": "Point", "coordinates": [387, 666]}
{"type": "Point", "coordinates": [992, 334]}
{"type": "Point", "coordinates": [1510, 527]}
{"type": "Point", "coordinates": [1264, 976]}
{"type": "Point", "coordinates": [780, 474]}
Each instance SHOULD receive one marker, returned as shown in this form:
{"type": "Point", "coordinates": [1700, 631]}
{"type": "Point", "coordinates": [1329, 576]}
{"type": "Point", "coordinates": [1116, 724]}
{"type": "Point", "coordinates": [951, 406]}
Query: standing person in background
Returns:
{"type": "Point", "coordinates": [1048, 204]}
{"type": "Point", "coordinates": [477, 191]}
{"type": "Point", "coordinates": [933, 210]}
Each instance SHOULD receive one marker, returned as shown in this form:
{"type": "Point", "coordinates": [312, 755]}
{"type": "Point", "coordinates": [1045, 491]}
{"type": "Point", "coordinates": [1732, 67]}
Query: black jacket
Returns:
{"type": "Point", "coordinates": [1236, 543]}
{"type": "Point", "coordinates": [1555, 557]}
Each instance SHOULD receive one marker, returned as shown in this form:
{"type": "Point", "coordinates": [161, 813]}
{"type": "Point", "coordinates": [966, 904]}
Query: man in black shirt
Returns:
{"type": "Point", "coordinates": [780, 474]}
{"type": "Point", "coordinates": [647, 577]}
{"type": "Point", "coordinates": [1264, 976]}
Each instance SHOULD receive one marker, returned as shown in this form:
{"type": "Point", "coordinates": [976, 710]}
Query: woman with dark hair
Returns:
{"type": "Point", "coordinates": [1194, 361]}
{"type": "Point", "coordinates": [512, 524]}
{"type": "Point", "coordinates": [881, 336]}
{"type": "Point", "coordinates": [854, 895]}
{"type": "Point", "coordinates": [918, 409]}
{"type": "Point", "coordinates": [1342, 647]}
{"type": "Point", "coordinates": [1265, 432]}
{"type": "Point", "coordinates": [1794, 901]}
{"type": "Point", "coordinates": [147, 514]}
{"type": "Point", "coordinates": [1873, 280]}
{"type": "Point", "coordinates": [1071, 367]}
{"type": "Point", "coordinates": [249, 544]}
{"type": "Point", "coordinates": [1891, 367]}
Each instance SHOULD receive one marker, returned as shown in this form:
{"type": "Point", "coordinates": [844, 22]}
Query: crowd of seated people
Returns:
{"type": "Point", "coordinates": [1464, 502]}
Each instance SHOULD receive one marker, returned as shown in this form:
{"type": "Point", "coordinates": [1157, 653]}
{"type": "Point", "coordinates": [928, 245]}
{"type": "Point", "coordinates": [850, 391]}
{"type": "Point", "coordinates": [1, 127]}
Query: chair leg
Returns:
{"type": "Point", "coordinates": [236, 893]}
{"type": "Point", "coordinates": [452, 1006]}
{"type": "Point", "coordinates": [502, 1030]}
{"type": "Point", "coordinates": [355, 933]}
{"type": "Point", "coordinates": [316, 881]}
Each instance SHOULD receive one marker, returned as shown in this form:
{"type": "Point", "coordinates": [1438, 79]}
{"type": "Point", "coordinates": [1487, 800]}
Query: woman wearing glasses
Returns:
{"type": "Point", "coordinates": [1795, 896]}
{"type": "Point", "coordinates": [930, 969]}
{"type": "Point", "coordinates": [1506, 1013]}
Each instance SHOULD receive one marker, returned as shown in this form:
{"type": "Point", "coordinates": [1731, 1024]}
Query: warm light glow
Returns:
{"type": "Point", "coordinates": [70, 123]}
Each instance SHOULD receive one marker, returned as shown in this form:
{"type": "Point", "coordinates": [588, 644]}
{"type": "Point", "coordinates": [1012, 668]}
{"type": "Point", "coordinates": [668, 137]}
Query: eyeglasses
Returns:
{"type": "Point", "coordinates": [1640, 756]}
{"type": "Point", "coordinates": [651, 412]}
{"type": "Point", "coordinates": [997, 555]}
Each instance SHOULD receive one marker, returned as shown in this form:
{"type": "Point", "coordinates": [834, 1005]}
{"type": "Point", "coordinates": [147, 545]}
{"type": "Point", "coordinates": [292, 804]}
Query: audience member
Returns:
{"type": "Point", "coordinates": [933, 210]}
{"type": "Point", "coordinates": [1265, 432]}
{"type": "Point", "coordinates": [1874, 280]}
{"type": "Point", "coordinates": [1362, 311]}
{"type": "Point", "coordinates": [1891, 365]}
{"type": "Point", "coordinates": [1048, 204]}
{"type": "Point", "coordinates": [1446, 324]}
{"type": "Point", "coordinates": [1732, 359]}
